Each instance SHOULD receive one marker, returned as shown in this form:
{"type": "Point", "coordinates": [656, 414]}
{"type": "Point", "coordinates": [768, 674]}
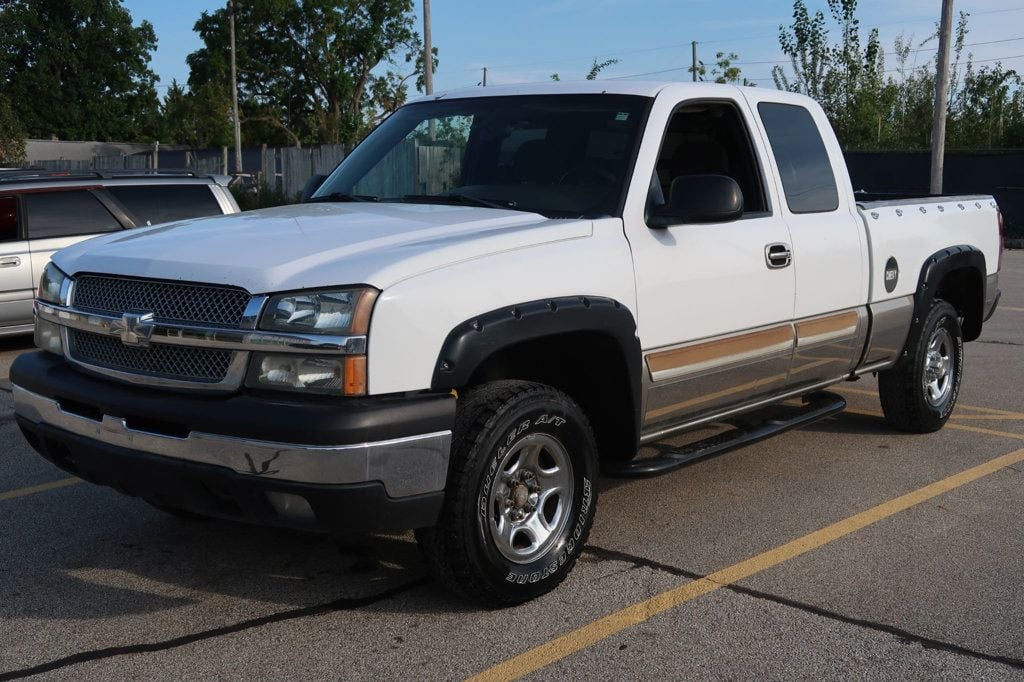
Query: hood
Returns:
{"type": "Point", "coordinates": [316, 245]}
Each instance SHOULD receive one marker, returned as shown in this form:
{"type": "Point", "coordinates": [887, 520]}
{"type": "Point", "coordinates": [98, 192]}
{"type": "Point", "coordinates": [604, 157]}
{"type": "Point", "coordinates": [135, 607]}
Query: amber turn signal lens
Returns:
{"type": "Point", "coordinates": [355, 375]}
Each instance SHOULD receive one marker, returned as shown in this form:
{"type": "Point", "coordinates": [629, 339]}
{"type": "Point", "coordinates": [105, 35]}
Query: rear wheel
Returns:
{"type": "Point", "coordinates": [919, 393]}
{"type": "Point", "coordinates": [520, 498]}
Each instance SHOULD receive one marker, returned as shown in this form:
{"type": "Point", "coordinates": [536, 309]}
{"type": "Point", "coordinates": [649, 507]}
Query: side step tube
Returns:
{"type": "Point", "coordinates": [816, 406]}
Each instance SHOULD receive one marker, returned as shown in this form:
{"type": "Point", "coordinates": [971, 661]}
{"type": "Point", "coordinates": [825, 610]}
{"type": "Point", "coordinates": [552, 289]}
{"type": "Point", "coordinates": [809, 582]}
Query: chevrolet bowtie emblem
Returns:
{"type": "Point", "coordinates": [135, 329]}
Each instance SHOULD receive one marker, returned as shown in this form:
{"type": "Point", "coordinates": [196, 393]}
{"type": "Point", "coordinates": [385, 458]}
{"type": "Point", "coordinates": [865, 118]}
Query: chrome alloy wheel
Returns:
{"type": "Point", "coordinates": [531, 498]}
{"type": "Point", "coordinates": [938, 367]}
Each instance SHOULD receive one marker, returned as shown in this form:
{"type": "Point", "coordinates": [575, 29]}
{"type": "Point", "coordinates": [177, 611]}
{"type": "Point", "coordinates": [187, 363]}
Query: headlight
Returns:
{"type": "Point", "coordinates": [51, 284]}
{"type": "Point", "coordinates": [341, 312]}
{"type": "Point", "coordinates": [326, 374]}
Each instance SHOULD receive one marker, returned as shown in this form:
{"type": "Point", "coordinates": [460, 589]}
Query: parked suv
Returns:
{"type": "Point", "coordinates": [44, 211]}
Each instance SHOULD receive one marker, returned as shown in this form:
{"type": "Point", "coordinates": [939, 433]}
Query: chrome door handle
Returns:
{"type": "Point", "coordinates": [10, 262]}
{"type": "Point", "coordinates": [778, 255]}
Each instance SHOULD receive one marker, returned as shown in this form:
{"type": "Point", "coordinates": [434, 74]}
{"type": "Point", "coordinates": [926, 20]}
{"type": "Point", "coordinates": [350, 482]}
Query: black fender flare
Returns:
{"type": "Point", "coordinates": [472, 342]}
{"type": "Point", "coordinates": [935, 268]}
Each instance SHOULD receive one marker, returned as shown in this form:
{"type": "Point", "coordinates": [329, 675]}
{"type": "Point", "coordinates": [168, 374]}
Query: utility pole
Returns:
{"type": "Point", "coordinates": [693, 69]}
{"type": "Point", "coordinates": [941, 97]}
{"type": "Point", "coordinates": [428, 51]}
{"type": "Point", "coordinates": [485, 76]}
{"type": "Point", "coordinates": [232, 7]}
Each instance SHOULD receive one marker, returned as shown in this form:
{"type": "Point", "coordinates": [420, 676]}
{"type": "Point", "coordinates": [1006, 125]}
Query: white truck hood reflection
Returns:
{"type": "Point", "coordinates": [316, 245]}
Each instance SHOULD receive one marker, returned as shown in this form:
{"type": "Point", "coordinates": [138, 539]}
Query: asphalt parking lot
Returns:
{"type": "Point", "coordinates": [843, 549]}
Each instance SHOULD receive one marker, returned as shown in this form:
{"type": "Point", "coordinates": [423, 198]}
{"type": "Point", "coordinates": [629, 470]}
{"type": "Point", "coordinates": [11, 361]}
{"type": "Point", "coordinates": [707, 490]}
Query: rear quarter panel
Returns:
{"type": "Point", "coordinates": [911, 231]}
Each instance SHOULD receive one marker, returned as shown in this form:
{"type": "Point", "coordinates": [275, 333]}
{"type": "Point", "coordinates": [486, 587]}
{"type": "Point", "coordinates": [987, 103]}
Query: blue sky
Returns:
{"type": "Point", "coordinates": [530, 39]}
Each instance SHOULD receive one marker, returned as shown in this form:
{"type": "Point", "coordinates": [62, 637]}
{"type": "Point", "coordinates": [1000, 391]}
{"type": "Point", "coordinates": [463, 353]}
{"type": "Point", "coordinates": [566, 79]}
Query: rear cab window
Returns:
{"type": "Point", "coordinates": [153, 204]}
{"type": "Point", "coordinates": [804, 165]}
{"type": "Point", "coordinates": [66, 213]}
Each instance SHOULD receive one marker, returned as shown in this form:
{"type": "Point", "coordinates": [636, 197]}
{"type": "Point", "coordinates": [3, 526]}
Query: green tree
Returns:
{"type": "Point", "coordinates": [12, 136]}
{"type": "Point", "coordinates": [200, 119]}
{"type": "Point", "coordinates": [872, 107]}
{"type": "Point", "coordinates": [78, 69]}
{"type": "Point", "coordinates": [726, 71]}
{"type": "Point", "coordinates": [312, 70]}
{"type": "Point", "coordinates": [595, 69]}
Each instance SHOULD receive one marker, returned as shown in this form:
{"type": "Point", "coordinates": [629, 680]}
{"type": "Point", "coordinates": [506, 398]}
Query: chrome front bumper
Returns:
{"type": "Point", "coordinates": [407, 466]}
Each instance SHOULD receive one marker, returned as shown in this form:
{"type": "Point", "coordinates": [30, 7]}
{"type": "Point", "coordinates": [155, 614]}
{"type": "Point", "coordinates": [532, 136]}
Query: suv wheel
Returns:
{"type": "Point", "coordinates": [520, 497]}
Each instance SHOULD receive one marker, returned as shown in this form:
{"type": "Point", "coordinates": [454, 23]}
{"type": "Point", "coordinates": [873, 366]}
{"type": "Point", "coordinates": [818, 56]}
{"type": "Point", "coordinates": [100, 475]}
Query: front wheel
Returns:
{"type": "Point", "coordinates": [919, 393]}
{"type": "Point", "coordinates": [520, 498]}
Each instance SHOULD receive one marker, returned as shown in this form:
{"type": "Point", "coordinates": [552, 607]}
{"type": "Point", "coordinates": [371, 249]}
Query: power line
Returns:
{"type": "Point", "coordinates": [564, 60]}
{"type": "Point", "coordinates": [686, 68]}
{"type": "Point", "coordinates": [886, 23]}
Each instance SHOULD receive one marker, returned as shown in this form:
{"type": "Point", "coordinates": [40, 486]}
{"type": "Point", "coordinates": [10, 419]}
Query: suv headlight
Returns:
{"type": "Point", "coordinates": [341, 312]}
{"type": "Point", "coordinates": [337, 312]}
{"type": "Point", "coordinates": [51, 284]}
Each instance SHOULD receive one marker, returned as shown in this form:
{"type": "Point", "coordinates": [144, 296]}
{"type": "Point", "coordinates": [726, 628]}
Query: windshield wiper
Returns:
{"type": "Point", "coordinates": [461, 200]}
{"type": "Point", "coordinates": [342, 196]}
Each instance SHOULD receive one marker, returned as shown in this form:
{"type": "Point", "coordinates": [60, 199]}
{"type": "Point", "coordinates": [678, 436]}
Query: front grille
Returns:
{"type": "Point", "coordinates": [171, 362]}
{"type": "Point", "coordinates": [204, 304]}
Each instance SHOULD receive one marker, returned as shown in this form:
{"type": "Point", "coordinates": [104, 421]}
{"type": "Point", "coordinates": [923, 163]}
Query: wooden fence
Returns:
{"type": "Point", "coordinates": [286, 169]}
{"type": "Point", "coordinates": [414, 167]}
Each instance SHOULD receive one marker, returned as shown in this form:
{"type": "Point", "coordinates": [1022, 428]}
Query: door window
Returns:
{"type": "Point", "coordinates": [801, 156]}
{"type": "Point", "coordinates": [153, 204]}
{"type": "Point", "coordinates": [8, 219]}
{"type": "Point", "coordinates": [66, 214]}
{"type": "Point", "coordinates": [710, 138]}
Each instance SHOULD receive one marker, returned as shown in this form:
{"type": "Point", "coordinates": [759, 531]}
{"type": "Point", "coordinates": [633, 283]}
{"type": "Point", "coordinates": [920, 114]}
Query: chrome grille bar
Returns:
{"type": "Point", "coordinates": [210, 338]}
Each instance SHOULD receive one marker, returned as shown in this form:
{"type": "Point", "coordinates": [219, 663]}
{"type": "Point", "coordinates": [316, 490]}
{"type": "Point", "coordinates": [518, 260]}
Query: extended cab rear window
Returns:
{"type": "Point", "coordinates": [152, 204]}
{"type": "Point", "coordinates": [801, 156]}
{"type": "Point", "coordinates": [66, 214]}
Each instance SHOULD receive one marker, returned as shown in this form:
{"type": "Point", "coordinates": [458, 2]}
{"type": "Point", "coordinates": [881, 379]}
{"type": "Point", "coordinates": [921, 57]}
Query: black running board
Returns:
{"type": "Point", "coordinates": [816, 406]}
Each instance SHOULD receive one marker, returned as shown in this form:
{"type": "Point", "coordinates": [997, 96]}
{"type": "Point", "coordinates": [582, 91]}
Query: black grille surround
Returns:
{"type": "Point", "coordinates": [177, 302]}
{"type": "Point", "coordinates": [172, 362]}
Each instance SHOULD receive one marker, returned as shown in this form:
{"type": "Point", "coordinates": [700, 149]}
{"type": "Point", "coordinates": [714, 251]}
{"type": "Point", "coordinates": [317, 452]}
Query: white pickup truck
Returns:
{"type": "Point", "coordinates": [499, 291]}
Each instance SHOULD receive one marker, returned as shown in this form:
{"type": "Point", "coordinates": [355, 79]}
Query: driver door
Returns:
{"type": "Point", "coordinates": [715, 309]}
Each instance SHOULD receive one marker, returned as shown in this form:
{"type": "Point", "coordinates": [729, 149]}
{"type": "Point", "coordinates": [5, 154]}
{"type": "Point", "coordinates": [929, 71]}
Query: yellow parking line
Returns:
{"type": "Point", "coordinates": [959, 406]}
{"type": "Point", "coordinates": [605, 627]}
{"type": "Point", "coordinates": [949, 425]}
{"type": "Point", "coordinates": [994, 417]}
{"type": "Point", "coordinates": [42, 487]}
{"type": "Point", "coordinates": [1016, 310]}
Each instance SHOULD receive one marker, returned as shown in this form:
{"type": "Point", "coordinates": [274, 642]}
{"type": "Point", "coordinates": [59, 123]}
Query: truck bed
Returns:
{"type": "Point", "coordinates": [911, 229]}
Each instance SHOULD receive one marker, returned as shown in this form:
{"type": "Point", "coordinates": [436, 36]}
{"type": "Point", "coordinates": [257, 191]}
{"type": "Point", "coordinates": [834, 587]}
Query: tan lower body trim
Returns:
{"type": "Point", "coordinates": [829, 328]}
{"type": "Point", "coordinates": [710, 355]}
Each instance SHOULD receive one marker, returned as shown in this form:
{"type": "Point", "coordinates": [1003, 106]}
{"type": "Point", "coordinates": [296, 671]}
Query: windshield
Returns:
{"type": "Point", "coordinates": [558, 155]}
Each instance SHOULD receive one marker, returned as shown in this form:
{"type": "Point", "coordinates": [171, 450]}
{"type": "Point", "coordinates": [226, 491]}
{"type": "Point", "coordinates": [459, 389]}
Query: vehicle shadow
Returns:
{"type": "Point", "coordinates": [16, 343]}
{"type": "Point", "coordinates": [128, 559]}
{"type": "Point", "coordinates": [119, 557]}
{"type": "Point", "coordinates": [842, 423]}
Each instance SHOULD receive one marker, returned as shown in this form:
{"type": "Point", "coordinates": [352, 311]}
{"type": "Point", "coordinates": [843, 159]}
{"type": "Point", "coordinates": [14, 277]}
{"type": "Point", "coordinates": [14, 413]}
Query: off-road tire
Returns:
{"type": "Point", "coordinates": [491, 420]}
{"type": "Point", "coordinates": [901, 389]}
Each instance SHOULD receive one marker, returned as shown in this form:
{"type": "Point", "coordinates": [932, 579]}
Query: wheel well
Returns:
{"type": "Point", "coordinates": [964, 288]}
{"type": "Point", "coordinates": [589, 366]}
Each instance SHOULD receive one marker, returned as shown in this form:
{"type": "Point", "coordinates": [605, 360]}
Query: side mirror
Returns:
{"type": "Point", "coordinates": [699, 199]}
{"type": "Point", "coordinates": [312, 185]}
